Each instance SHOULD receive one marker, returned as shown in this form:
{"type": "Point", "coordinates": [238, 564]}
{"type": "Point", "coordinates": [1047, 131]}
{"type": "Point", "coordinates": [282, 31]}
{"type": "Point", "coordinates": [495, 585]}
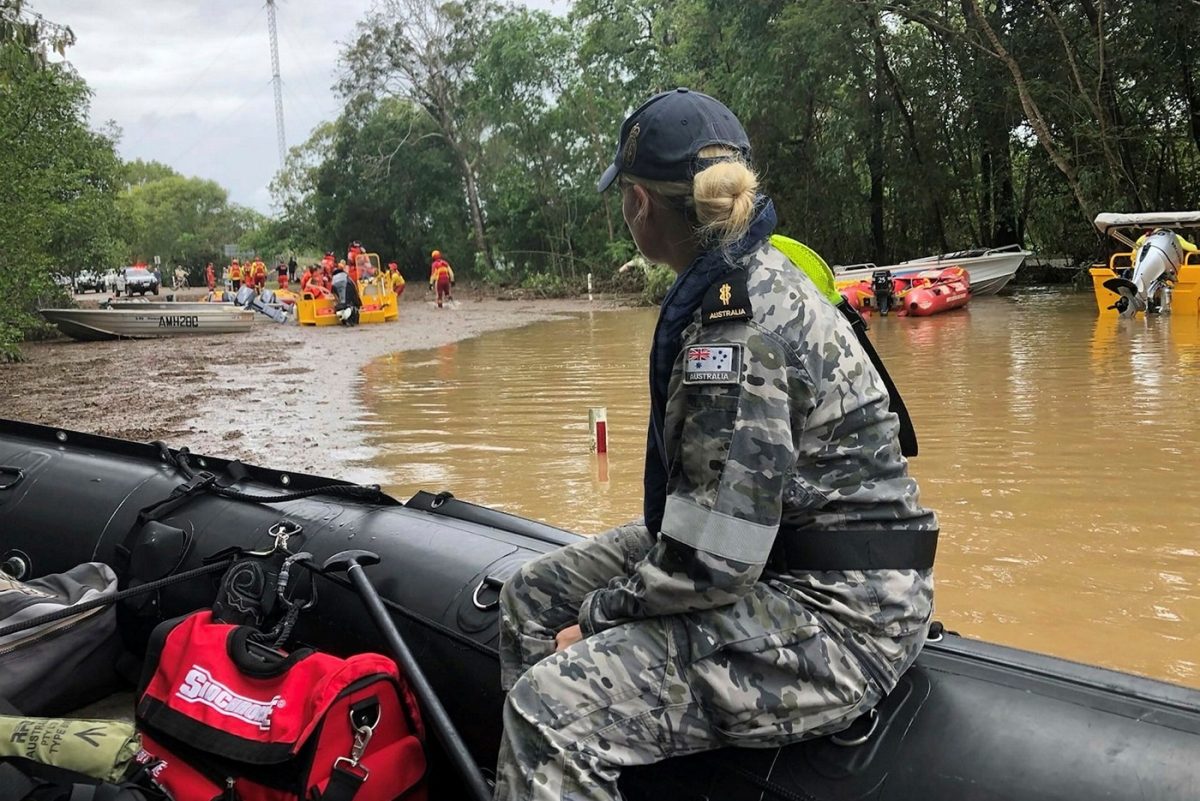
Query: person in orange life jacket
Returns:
{"type": "Point", "coordinates": [260, 273]}
{"type": "Point", "coordinates": [235, 275]}
{"type": "Point", "coordinates": [353, 271]}
{"type": "Point", "coordinates": [441, 276]}
{"type": "Point", "coordinates": [353, 251]}
{"type": "Point", "coordinates": [327, 265]}
{"type": "Point", "coordinates": [210, 277]}
{"type": "Point", "coordinates": [281, 271]}
{"type": "Point", "coordinates": [396, 278]}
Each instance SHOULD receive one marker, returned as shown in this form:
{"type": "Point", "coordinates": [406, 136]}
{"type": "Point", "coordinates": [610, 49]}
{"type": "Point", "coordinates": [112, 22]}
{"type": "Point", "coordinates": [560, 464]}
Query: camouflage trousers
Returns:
{"type": "Point", "coordinates": [761, 672]}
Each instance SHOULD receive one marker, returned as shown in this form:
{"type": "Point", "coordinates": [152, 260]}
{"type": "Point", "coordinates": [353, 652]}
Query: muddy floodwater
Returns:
{"type": "Point", "coordinates": [1060, 450]}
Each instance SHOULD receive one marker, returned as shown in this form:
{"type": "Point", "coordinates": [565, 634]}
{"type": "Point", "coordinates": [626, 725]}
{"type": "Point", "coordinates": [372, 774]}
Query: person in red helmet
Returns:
{"type": "Point", "coordinates": [441, 277]}
{"type": "Point", "coordinates": [210, 277]}
{"type": "Point", "coordinates": [395, 279]}
{"type": "Point", "coordinates": [352, 253]}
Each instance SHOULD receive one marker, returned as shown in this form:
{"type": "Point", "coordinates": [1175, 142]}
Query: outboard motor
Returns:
{"type": "Point", "coordinates": [246, 296]}
{"type": "Point", "coordinates": [1154, 266]}
{"type": "Point", "coordinates": [881, 285]}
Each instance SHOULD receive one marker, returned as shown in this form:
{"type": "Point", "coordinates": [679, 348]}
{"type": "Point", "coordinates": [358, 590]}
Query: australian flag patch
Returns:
{"type": "Point", "coordinates": [712, 364]}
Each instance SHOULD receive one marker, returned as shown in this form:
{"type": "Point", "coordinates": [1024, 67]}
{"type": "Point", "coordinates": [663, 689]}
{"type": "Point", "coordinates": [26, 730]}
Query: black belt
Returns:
{"type": "Point", "coordinates": [802, 549]}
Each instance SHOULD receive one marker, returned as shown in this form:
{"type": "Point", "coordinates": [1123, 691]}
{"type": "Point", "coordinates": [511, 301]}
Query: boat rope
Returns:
{"type": "Point", "coordinates": [367, 492]}
{"type": "Point", "coordinates": [372, 492]}
{"type": "Point", "coordinates": [108, 600]}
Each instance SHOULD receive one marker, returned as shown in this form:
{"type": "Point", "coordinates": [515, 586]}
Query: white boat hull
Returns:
{"type": "Point", "coordinates": [100, 324]}
{"type": "Point", "coordinates": [989, 273]}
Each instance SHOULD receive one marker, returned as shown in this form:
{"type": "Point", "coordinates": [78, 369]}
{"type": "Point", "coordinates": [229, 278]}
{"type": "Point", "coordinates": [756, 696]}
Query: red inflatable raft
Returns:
{"type": "Point", "coordinates": [934, 291]}
{"type": "Point", "coordinates": [920, 295]}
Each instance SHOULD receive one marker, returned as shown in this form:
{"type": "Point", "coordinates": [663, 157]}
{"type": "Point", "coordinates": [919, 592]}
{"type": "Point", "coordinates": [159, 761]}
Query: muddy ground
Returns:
{"type": "Point", "coordinates": [281, 396]}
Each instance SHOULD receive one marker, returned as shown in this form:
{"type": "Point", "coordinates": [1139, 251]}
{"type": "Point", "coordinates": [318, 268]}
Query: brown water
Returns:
{"type": "Point", "coordinates": [1061, 452]}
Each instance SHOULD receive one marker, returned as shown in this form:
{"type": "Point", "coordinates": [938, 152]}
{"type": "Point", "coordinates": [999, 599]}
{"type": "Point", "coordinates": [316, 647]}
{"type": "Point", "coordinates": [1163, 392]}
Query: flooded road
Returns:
{"type": "Point", "coordinates": [1060, 451]}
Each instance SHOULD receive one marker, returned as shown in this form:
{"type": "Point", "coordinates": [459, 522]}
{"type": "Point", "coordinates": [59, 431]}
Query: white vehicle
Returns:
{"type": "Point", "coordinates": [90, 281]}
{"type": "Point", "coordinates": [135, 279]}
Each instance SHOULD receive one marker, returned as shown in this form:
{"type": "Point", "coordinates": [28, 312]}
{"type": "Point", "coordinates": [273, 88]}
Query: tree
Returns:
{"type": "Point", "coordinates": [342, 186]}
{"type": "Point", "coordinates": [419, 51]}
{"type": "Point", "coordinates": [60, 178]}
{"type": "Point", "coordinates": [182, 220]}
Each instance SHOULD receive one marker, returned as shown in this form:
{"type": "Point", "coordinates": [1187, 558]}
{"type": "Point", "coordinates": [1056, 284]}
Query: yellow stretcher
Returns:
{"type": "Point", "coordinates": [315, 309]}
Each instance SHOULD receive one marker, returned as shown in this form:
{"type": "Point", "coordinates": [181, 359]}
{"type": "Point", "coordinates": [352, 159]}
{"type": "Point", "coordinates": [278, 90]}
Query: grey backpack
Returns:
{"type": "Point", "coordinates": [61, 665]}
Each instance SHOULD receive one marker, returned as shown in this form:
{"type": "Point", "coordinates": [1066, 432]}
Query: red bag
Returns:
{"type": "Point", "coordinates": [223, 717]}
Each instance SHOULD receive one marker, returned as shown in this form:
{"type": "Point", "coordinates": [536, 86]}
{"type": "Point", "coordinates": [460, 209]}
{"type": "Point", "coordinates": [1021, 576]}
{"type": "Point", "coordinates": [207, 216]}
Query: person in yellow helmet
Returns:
{"type": "Point", "coordinates": [441, 277]}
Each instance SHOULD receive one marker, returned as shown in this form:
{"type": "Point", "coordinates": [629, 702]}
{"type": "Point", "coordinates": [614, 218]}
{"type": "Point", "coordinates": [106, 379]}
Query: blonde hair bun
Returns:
{"type": "Point", "coordinates": [723, 197]}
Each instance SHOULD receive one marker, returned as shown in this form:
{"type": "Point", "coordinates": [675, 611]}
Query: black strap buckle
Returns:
{"type": "Point", "coordinates": [197, 483]}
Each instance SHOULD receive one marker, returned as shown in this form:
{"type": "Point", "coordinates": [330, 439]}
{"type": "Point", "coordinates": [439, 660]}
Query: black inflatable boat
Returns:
{"type": "Point", "coordinates": [970, 721]}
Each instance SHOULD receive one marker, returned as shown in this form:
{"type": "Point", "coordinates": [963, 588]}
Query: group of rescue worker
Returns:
{"type": "Point", "coordinates": [334, 278]}
{"type": "Point", "coordinates": [253, 273]}
{"type": "Point", "coordinates": [318, 279]}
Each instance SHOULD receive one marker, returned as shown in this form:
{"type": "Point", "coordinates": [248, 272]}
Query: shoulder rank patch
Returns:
{"type": "Point", "coordinates": [712, 364]}
{"type": "Point", "coordinates": [726, 299]}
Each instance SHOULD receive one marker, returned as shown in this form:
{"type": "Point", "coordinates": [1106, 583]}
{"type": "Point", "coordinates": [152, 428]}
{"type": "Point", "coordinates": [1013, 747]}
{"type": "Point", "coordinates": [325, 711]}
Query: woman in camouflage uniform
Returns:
{"type": "Point", "coordinates": [781, 580]}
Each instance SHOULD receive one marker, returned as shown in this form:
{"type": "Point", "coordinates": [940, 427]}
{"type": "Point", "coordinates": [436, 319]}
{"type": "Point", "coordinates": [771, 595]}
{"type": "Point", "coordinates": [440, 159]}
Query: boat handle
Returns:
{"type": "Point", "coordinates": [17, 473]}
{"type": "Point", "coordinates": [490, 582]}
{"type": "Point", "coordinates": [851, 742]}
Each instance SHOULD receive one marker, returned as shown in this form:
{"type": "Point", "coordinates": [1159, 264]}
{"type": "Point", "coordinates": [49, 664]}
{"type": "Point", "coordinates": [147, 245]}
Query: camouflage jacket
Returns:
{"type": "Point", "coordinates": [774, 416]}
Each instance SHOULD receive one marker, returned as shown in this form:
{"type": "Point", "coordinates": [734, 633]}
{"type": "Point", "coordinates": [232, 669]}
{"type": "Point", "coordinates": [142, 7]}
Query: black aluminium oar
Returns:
{"type": "Point", "coordinates": [351, 563]}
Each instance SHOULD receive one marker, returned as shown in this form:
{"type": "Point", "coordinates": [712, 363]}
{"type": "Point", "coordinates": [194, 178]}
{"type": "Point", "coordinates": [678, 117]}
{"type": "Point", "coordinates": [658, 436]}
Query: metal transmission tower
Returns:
{"type": "Point", "coordinates": [275, 79]}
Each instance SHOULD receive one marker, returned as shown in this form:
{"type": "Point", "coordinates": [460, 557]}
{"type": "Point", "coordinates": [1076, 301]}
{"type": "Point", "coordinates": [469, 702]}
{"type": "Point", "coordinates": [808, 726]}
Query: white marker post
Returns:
{"type": "Point", "coordinates": [589, 287]}
{"type": "Point", "coordinates": [598, 424]}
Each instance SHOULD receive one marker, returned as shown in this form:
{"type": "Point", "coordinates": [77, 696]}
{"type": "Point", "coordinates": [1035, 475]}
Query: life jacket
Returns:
{"type": "Point", "coordinates": [440, 271]}
{"type": "Point", "coordinates": [235, 272]}
{"type": "Point", "coordinates": [808, 260]}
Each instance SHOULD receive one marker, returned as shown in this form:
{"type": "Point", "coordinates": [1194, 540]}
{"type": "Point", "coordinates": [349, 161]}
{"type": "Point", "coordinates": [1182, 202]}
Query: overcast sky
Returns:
{"type": "Point", "coordinates": [189, 81]}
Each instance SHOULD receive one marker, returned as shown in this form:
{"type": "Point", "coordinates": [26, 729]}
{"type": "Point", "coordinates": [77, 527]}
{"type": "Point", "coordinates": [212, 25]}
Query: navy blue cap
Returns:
{"type": "Point", "coordinates": [663, 138]}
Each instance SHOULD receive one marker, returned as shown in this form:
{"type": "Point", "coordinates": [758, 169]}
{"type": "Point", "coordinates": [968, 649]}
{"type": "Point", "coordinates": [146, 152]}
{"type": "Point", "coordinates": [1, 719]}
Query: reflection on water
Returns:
{"type": "Point", "coordinates": [1060, 451]}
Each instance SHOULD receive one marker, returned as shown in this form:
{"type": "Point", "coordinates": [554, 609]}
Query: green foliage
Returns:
{"type": "Point", "coordinates": [58, 208]}
{"type": "Point", "coordinates": [882, 130]}
{"type": "Point", "coordinates": [658, 281]}
{"type": "Point", "coordinates": [381, 174]}
{"type": "Point", "coordinates": [183, 221]}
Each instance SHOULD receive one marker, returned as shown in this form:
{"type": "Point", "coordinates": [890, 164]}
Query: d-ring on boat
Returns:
{"type": "Point", "coordinates": [971, 720]}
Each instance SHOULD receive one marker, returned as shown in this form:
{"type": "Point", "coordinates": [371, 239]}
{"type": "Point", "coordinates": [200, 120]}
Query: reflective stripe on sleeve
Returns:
{"type": "Point", "coordinates": [715, 533]}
